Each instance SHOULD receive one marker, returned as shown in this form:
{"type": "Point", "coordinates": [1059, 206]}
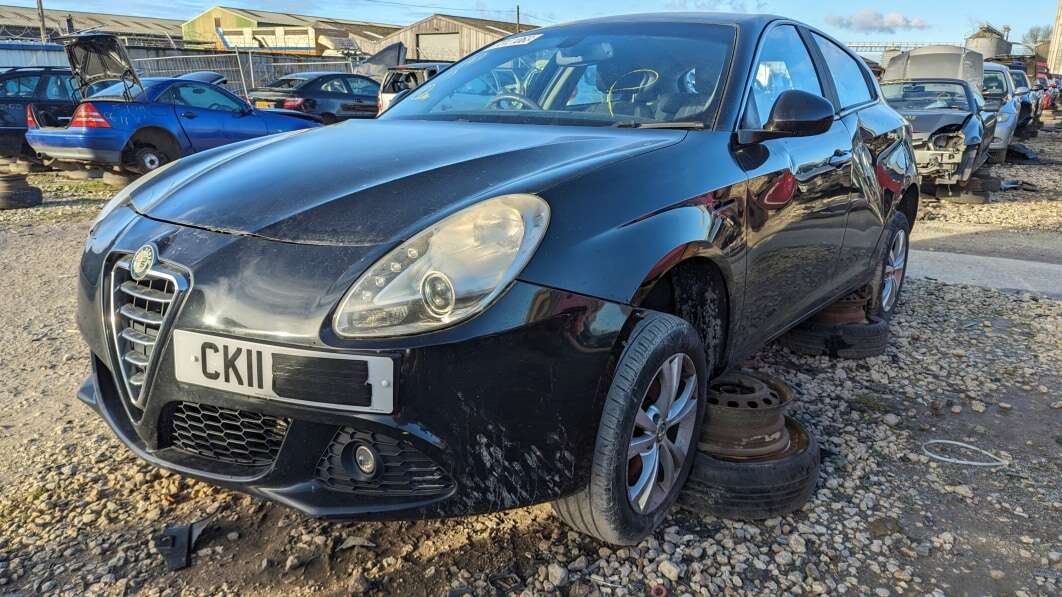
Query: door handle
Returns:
{"type": "Point", "coordinates": [840, 158]}
{"type": "Point", "coordinates": [188, 115]}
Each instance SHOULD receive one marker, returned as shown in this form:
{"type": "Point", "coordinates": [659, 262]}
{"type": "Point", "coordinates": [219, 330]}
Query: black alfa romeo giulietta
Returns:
{"type": "Point", "coordinates": [513, 286]}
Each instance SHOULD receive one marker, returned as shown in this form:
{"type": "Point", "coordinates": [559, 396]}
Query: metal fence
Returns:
{"type": "Point", "coordinates": [243, 69]}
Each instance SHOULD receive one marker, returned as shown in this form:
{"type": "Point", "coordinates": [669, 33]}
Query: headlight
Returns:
{"type": "Point", "coordinates": [447, 273]}
{"type": "Point", "coordinates": [1003, 117]}
{"type": "Point", "coordinates": [126, 194]}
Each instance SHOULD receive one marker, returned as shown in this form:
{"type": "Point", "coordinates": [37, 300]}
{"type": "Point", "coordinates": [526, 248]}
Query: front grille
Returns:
{"type": "Point", "coordinates": [402, 469]}
{"type": "Point", "coordinates": [140, 309]}
{"type": "Point", "coordinates": [224, 434]}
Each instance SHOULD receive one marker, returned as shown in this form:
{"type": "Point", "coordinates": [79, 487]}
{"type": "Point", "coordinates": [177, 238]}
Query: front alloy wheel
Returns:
{"type": "Point", "coordinates": [663, 433]}
{"type": "Point", "coordinates": [646, 440]}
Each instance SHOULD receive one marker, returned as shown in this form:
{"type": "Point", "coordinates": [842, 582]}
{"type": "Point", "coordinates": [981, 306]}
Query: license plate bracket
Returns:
{"type": "Point", "coordinates": [360, 383]}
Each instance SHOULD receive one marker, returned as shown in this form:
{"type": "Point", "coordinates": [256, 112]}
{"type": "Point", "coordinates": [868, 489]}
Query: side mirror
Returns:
{"type": "Point", "coordinates": [1022, 90]}
{"type": "Point", "coordinates": [795, 114]}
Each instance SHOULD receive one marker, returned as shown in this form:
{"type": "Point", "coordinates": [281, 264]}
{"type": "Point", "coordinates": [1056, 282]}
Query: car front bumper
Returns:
{"type": "Point", "coordinates": [498, 412]}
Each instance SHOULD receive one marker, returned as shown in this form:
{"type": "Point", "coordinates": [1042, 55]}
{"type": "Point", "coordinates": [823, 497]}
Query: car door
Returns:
{"type": "Point", "coordinates": [211, 117]}
{"type": "Point", "coordinates": [798, 194]}
{"type": "Point", "coordinates": [15, 92]}
{"type": "Point", "coordinates": [365, 91]}
{"type": "Point", "coordinates": [875, 132]}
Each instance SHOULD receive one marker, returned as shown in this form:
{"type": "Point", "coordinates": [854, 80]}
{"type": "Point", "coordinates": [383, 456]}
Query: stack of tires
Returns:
{"type": "Point", "coordinates": [16, 193]}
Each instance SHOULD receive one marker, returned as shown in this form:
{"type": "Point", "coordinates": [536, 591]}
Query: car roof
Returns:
{"type": "Point", "coordinates": [996, 66]}
{"type": "Point", "coordinates": [743, 20]}
{"type": "Point", "coordinates": [311, 74]}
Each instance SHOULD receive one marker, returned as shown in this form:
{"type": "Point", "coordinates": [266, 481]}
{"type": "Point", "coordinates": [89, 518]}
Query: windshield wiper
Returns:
{"type": "Point", "coordinates": [658, 125]}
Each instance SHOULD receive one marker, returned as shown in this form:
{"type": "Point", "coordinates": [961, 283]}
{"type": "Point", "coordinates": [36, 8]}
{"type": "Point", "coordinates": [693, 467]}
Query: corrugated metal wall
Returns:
{"type": "Point", "coordinates": [471, 39]}
{"type": "Point", "coordinates": [31, 54]}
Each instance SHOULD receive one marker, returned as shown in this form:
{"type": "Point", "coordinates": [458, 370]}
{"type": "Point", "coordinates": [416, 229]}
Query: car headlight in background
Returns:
{"type": "Point", "coordinates": [1003, 117]}
{"type": "Point", "coordinates": [447, 273]}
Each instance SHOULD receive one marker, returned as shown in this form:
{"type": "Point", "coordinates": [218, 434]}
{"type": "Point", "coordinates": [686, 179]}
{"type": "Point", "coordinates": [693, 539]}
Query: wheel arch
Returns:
{"type": "Point", "coordinates": [908, 203]}
{"type": "Point", "coordinates": [156, 136]}
{"type": "Point", "coordinates": [677, 286]}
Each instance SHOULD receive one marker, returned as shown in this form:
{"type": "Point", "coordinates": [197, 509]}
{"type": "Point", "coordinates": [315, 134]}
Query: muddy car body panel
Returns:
{"type": "Point", "coordinates": [499, 409]}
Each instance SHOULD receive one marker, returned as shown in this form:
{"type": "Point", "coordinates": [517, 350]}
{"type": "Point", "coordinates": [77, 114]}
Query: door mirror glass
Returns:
{"type": "Point", "coordinates": [796, 113]}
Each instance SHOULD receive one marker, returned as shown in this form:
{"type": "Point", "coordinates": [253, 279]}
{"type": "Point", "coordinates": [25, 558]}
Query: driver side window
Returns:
{"type": "Point", "coordinates": [202, 96]}
{"type": "Point", "coordinates": [784, 64]}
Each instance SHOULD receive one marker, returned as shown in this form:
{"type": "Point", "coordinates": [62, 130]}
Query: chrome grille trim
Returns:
{"type": "Point", "coordinates": [139, 313]}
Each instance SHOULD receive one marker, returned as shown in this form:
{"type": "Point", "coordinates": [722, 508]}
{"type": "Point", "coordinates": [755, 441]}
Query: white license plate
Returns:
{"type": "Point", "coordinates": [247, 368]}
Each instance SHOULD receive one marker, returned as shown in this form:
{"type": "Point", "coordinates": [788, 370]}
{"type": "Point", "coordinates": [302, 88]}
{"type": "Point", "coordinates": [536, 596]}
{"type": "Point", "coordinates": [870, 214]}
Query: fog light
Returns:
{"type": "Point", "coordinates": [365, 459]}
{"type": "Point", "coordinates": [438, 293]}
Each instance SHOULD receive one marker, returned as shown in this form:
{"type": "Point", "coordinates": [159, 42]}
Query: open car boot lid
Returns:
{"type": "Point", "coordinates": [98, 57]}
{"type": "Point", "coordinates": [937, 62]}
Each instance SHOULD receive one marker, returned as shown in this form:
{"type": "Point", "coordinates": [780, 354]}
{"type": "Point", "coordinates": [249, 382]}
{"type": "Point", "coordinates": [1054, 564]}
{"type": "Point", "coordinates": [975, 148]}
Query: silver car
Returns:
{"type": "Point", "coordinates": [1002, 98]}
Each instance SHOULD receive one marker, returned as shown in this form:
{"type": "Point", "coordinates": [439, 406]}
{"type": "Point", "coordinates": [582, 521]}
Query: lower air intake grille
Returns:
{"type": "Point", "coordinates": [226, 435]}
{"type": "Point", "coordinates": [402, 469]}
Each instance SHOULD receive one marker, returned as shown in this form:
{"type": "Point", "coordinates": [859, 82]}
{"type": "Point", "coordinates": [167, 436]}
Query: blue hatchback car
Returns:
{"type": "Point", "coordinates": [140, 124]}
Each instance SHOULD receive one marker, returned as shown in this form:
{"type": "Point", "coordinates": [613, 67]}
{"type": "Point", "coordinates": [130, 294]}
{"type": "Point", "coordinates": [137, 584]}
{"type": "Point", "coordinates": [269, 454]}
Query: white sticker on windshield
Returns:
{"type": "Point", "coordinates": [523, 40]}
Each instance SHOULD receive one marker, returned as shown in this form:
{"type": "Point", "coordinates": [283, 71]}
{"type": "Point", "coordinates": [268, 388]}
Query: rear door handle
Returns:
{"type": "Point", "coordinates": [188, 115]}
{"type": "Point", "coordinates": [840, 157]}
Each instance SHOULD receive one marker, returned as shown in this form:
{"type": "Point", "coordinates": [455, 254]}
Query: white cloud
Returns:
{"type": "Point", "coordinates": [869, 20]}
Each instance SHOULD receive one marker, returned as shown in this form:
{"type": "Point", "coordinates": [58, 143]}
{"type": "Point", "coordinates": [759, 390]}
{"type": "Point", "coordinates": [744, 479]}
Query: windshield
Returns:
{"type": "Point", "coordinates": [288, 83]}
{"type": "Point", "coordinates": [926, 96]}
{"type": "Point", "coordinates": [1020, 80]}
{"type": "Point", "coordinates": [995, 83]}
{"type": "Point", "coordinates": [596, 74]}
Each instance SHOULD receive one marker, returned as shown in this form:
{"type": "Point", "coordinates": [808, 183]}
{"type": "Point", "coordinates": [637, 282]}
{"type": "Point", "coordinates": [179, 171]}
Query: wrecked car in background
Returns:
{"type": "Point", "coordinates": [523, 306]}
{"type": "Point", "coordinates": [938, 90]}
{"type": "Point", "coordinates": [141, 124]}
{"type": "Point", "coordinates": [1001, 98]}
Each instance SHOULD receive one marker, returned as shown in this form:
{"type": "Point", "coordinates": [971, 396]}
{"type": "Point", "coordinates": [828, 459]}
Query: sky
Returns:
{"type": "Point", "coordinates": [847, 20]}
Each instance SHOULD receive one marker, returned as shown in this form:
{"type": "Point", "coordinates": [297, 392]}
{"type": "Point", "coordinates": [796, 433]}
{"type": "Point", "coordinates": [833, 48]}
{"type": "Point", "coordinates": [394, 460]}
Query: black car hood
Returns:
{"type": "Point", "coordinates": [926, 122]}
{"type": "Point", "coordinates": [372, 182]}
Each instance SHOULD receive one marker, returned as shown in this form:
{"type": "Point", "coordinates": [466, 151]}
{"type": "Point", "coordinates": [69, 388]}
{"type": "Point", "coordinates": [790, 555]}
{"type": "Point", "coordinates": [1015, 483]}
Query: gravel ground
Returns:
{"type": "Point", "coordinates": [1016, 210]}
{"type": "Point", "coordinates": [64, 200]}
{"type": "Point", "coordinates": [77, 511]}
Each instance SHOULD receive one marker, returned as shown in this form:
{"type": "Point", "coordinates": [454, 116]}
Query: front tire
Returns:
{"type": "Point", "coordinates": [892, 269]}
{"type": "Point", "coordinates": [647, 438]}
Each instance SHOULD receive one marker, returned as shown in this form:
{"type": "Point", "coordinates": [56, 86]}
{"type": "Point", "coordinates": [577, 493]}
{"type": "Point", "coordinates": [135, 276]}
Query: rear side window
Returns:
{"type": "Point", "coordinates": [848, 75]}
{"type": "Point", "coordinates": [59, 87]}
{"type": "Point", "coordinates": [334, 85]}
{"type": "Point", "coordinates": [784, 64]}
{"type": "Point", "coordinates": [24, 86]}
{"type": "Point", "coordinates": [362, 86]}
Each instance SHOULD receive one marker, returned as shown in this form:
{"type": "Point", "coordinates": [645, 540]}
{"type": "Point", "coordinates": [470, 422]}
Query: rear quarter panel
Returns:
{"type": "Point", "coordinates": [130, 117]}
{"type": "Point", "coordinates": [281, 123]}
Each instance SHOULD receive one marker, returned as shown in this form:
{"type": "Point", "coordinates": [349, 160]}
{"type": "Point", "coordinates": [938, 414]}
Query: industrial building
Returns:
{"type": "Point", "coordinates": [449, 37]}
{"type": "Point", "coordinates": [226, 28]}
{"type": "Point", "coordinates": [23, 23]}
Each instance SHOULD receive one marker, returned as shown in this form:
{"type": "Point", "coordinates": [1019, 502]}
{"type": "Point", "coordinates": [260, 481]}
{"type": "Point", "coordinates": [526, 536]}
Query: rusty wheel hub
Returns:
{"type": "Point", "coordinates": [745, 416]}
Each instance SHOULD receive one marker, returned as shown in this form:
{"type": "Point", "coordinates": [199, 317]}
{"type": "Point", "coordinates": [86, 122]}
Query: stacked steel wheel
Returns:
{"type": "Point", "coordinates": [844, 330]}
{"type": "Point", "coordinates": [753, 461]}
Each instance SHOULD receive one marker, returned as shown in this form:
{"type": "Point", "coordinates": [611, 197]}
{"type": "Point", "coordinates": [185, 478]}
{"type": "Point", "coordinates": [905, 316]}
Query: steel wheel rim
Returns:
{"type": "Point", "coordinates": [659, 444]}
{"type": "Point", "coordinates": [895, 266]}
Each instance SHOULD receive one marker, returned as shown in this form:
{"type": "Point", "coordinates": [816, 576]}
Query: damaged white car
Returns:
{"type": "Point", "coordinates": [938, 91]}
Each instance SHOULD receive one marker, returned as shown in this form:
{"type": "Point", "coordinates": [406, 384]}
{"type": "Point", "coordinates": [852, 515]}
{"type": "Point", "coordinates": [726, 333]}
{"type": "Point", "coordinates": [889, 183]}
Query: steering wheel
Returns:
{"type": "Point", "coordinates": [514, 97]}
{"type": "Point", "coordinates": [649, 78]}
